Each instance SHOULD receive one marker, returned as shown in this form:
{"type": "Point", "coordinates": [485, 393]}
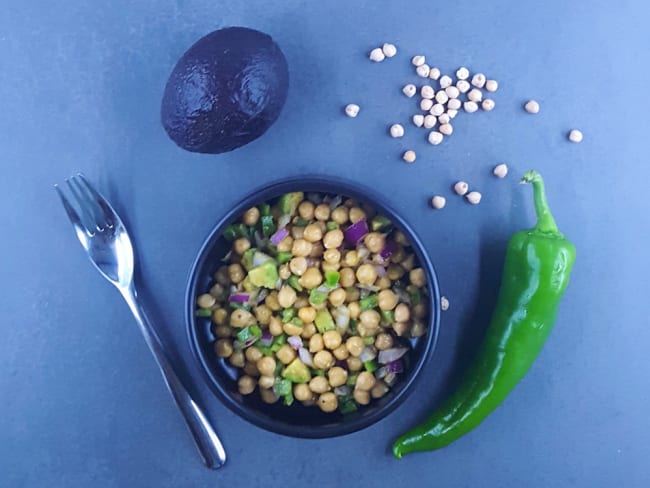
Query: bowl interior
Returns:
{"type": "Point", "coordinates": [298, 420]}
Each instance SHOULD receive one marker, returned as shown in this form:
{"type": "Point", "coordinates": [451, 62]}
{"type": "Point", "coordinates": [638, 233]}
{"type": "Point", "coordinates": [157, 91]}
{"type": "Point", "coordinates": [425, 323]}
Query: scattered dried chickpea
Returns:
{"type": "Point", "coordinates": [444, 118]}
{"type": "Point", "coordinates": [446, 129]}
{"type": "Point", "coordinates": [444, 303]}
{"type": "Point", "coordinates": [491, 85]}
{"type": "Point", "coordinates": [473, 197]}
{"type": "Point", "coordinates": [475, 95]}
{"type": "Point", "coordinates": [441, 97]}
{"type": "Point", "coordinates": [423, 70]}
{"type": "Point", "coordinates": [445, 81]}
{"type": "Point", "coordinates": [434, 73]}
{"type": "Point", "coordinates": [418, 60]}
{"type": "Point", "coordinates": [437, 110]}
{"type": "Point", "coordinates": [396, 130]}
{"type": "Point", "coordinates": [575, 136]}
{"type": "Point", "coordinates": [463, 86]}
{"type": "Point", "coordinates": [462, 73]}
{"type": "Point", "coordinates": [488, 104]}
{"type": "Point", "coordinates": [389, 50]}
{"type": "Point", "coordinates": [377, 55]}
{"type": "Point", "coordinates": [452, 92]}
{"type": "Point", "coordinates": [352, 110]}
{"type": "Point", "coordinates": [461, 188]}
{"type": "Point", "coordinates": [426, 104]}
{"type": "Point", "coordinates": [500, 170]}
{"type": "Point", "coordinates": [478, 80]}
{"type": "Point", "coordinates": [435, 137]}
{"type": "Point", "coordinates": [454, 104]}
{"type": "Point", "coordinates": [438, 202]}
{"type": "Point", "coordinates": [418, 120]}
{"type": "Point", "coordinates": [470, 107]}
{"type": "Point", "coordinates": [427, 91]}
{"type": "Point", "coordinates": [532, 107]}
{"type": "Point", "coordinates": [409, 90]}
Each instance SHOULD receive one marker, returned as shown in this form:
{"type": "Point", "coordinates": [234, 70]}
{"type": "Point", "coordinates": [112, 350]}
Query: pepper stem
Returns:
{"type": "Point", "coordinates": [545, 220]}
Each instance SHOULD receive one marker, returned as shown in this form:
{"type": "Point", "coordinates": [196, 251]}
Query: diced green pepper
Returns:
{"type": "Point", "coordinates": [379, 223]}
{"type": "Point", "coordinates": [288, 314]}
{"type": "Point", "coordinates": [317, 297]}
{"type": "Point", "coordinates": [347, 405]}
{"type": "Point", "coordinates": [247, 258]}
{"type": "Point", "coordinates": [415, 298]}
{"type": "Point", "coordinates": [289, 202]}
{"type": "Point", "coordinates": [244, 335]}
{"type": "Point", "coordinates": [288, 399]}
{"type": "Point", "coordinates": [353, 326]}
{"type": "Point", "coordinates": [240, 230]}
{"type": "Point", "coordinates": [331, 225]}
{"type": "Point", "coordinates": [388, 316]}
{"type": "Point", "coordinates": [265, 209]}
{"type": "Point", "coordinates": [265, 350]}
{"type": "Point", "coordinates": [203, 312]}
{"type": "Point", "coordinates": [240, 306]}
{"type": "Point", "coordinates": [294, 282]}
{"type": "Point", "coordinates": [368, 302]}
{"type": "Point", "coordinates": [324, 321]}
{"type": "Point", "coordinates": [297, 322]}
{"type": "Point", "coordinates": [268, 227]}
{"type": "Point", "coordinates": [256, 331]}
{"type": "Point", "coordinates": [369, 341]}
{"type": "Point", "coordinates": [332, 278]}
{"type": "Point", "coordinates": [318, 372]}
{"type": "Point", "coordinates": [282, 387]}
{"type": "Point", "coordinates": [264, 275]}
{"type": "Point", "coordinates": [370, 366]}
{"type": "Point", "coordinates": [230, 234]}
{"type": "Point", "coordinates": [284, 257]}
{"type": "Point", "coordinates": [352, 379]}
{"type": "Point", "coordinates": [300, 222]}
{"type": "Point", "coordinates": [278, 342]}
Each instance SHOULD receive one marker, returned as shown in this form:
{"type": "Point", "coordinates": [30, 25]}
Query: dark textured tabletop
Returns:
{"type": "Point", "coordinates": [81, 400]}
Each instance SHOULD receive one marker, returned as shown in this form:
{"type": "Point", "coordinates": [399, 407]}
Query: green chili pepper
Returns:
{"type": "Point", "coordinates": [331, 225]}
{"type": "Point", "coordinates": [332, 278]}
{"type": "Point", "coordinates": [283, 257]}
{"type": "Point", "coordinates": [294, 282]}
{"type": "Point", "coordinates": [536, 273]}
{"type": "Point", "coordinates": [203, 312]}
{"type": "Point", "coordinates": [317, 297]}
{"type": "Point", "coordinates": [368, 302]}
{"type": "Point", "coordinates": [268, 227]}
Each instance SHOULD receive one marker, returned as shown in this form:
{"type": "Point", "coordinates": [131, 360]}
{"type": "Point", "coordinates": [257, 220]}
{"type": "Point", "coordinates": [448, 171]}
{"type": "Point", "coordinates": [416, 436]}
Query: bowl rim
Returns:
{"type": "Point", "coordinates": [331, 184]}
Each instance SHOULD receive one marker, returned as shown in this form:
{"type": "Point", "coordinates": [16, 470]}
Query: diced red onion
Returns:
{"type": "Point", "coordinates": [363, 252]}
{"type": "Point", "coordinates": [381, 372]}
{"type": "Point", "coordinates": [344, 390]}
{"type": "Point", "coordinates": [267, 339]}
{"type": "Point", "coordinates": [239, 297]}
{"type": "Point", "coordinates": [226, 258]}
{"type": "Point", "coordinates": [261, 295]}
{"type": "Point", "coordinates": [381, 271]}
{"type": "Point", "coordinates": [342, 317]}
{"type": "Point", "coordinates": [402, 295]}
{"type": "Point", "coordinates": [355, 232]}
{"type": "Point", "coordinates": [260, 258]}
{"type": "Point", "coordinates": [390, 355]}
{"type": "Point", "coordinates": [250, 341]}
{"type": "Point", "coordinates": [368, 354]}
{"type": "Point", "coordinates": [279, 236]}
{"type": "Point", "coordinates": [390, 247]}
{"type": "Point", "coordinates": [395, 366]}
{"type": "Point", "coordinates": [372, 288]}
{"type": "Point", "coordinates": [278, 284]}
{"type": "Point", "coordinates": [259, 242]}
{"type": "Point", "coordinates": [305, 357]}
{"type": "Point", "coordinates": [336, 201]}
{"type": "Point", "coordinates": [283, 220]}
{"type": "Point", "coordinates": [295, 342]}
{"type": "Point", "coordinates": [390, 378]}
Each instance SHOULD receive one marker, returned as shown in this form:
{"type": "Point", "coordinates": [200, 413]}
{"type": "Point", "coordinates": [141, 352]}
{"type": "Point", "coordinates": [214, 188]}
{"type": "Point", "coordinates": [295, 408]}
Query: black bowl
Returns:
{"type": "Point", "coordinates": [298, 420]}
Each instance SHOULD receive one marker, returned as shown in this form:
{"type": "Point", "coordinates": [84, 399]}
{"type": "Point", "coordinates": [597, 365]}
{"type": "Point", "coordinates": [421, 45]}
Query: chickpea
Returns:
{"type": "Point", "coordinates": [355, 345]}
{"type": "Point", "coordinates": [313, 233]}
{"type": "Point", "coordinates": [416, 276]}
{"type": "Point", "coordinates": [285, 244]}
{"type": "Point", "coordinates": [350, 202]}
{"type": "Point", "coordinates": [383, 283]}
{"type": "Point", "coordinates": [221, 276]}
{"type": "Point", "coordinates": [311, 278]}
{"type": "Point", "coordinates": [206, 301]}
{"type": "Point", "coordinates": [306, 210]}
{"type": "Point", "coordinates": [222, 331]}
{"type": "Point", "coordinates": [251, 216]}
{"type": "Point", "coordinates": [297, 232]}
{"type": "Point", "coordinates": [366, 274]}
{"type": "Point", "coordinates": [316, 343]}
{"type": "Point", "coordinates": [420, 310]}
{"type": "Point", "coordinates": [352, 294]}
{"type": "Point", "coordinates": [384, 341]}
{"type": "Point", "coordinates": [217, 290]}
{"type": "Point", "coordinates": [271, 301]}
{"type": "Point", "coordinates": [346, 277]}
{"type": "Point", "coordinates": [340, 215]}
{"type": "Point", "coordinates": [307, 314]}
{"type": "Point", "coordinates": [374, 241]}
{"type": "Point", "coordinates": [301, 247]}
{"type": "Point", "coordinates": [262, 314]}
{"type": "Point", "coordinates": [323, 359]}
{"type": "Point", "coordinates": [355, 310]}
{"type": "Point", "coordinates": [402, 313]}
{"type": "Point", "coordinates": [319, 384]}
{"type": "Point", "coordinates": [354, 364]}
{"type": "Point", "coordinates": [379, 390]}
{"type": "Point", "coordinates": [356, 214]}
{"type": "Point", "coordinates": [266, 381]}
{"type": "Point", "coordinates": [387, 300]}
{"type": "Point", "coordinates": [370, 318]}
{"type": "Point", "coordinates": [398, 256]}
{"type": "Point", "coordinates": [330, 266]}
{"type": "Point", "coordinates": [362, 397]}
{"type": "Point", "coordinates": [286, 296]}
{"type": "Point", "coordinates": [365, 381]}
{"type": "Point", "coordinates": [394, 272]}
{"type": "Point", "coordinates": [328, 402]}
{"type": "Point", "coordinates": [337, 376]}
{"type": "Point", "coordinates": [301, 302]}
{"type": "Point", "coordinates": [246, 385]}
{"type": "Point", "coordinates": [332, 339]}
{"type": "Point", "coordinates": [237, 359]}
{"type": "Point", "coordinates": [337, 297]}
{"type": "Point", "coordinates": [219, 316]}
{"type": "Point", "coordinates": [251, 370]}
{"type": "Point", "coordinates": [317, 250]}
{"type": "Point", "coordinates": [409, 262]}
{"type": "Point", "coordinates": [308, 330]}
{"type": "Point", "coordinates": [400, 328]}
{"type": "Point", "coordinates": [400, 238]}
{"type": "Point", "coordinates": [240, 318]}
{"type": "Point", "coordinates": [351, 258]}
{"type": "Point", "coordinates": [292, 329]}
{"type": "Point", "coordinates": [322, 212]}
{"type": "Point", "coordinates": [241, 245]}
{"type": "Point", "coordinates": [286, 354]}
{"type": "Point", "coordinates": [332, 256]}
{"type": "Point", "coordinates": [236, 273]}
{"type": "Point", "coordinates": [301, 392]}
{"type": "Point", "coordinates": [298, 265]}
{"type": "Point", "coordinates": [268, 395]}
{"type": "Point", "coordinates": [321, 225]}
{"type": "Point", "coordinates": [417, 329]}
{"type": "Point", "coordinates": [275, 326]}
{"type": "Point", "coordinates": [253, 354]}
{"type": "Point", "coordinates": [266, 365]}
{"type": "Point", "coordinates": [223, 348]}
{"type": "Point", "coordinates": [333, 239]}
{"type": "Point", "coordinates": [341, 353]}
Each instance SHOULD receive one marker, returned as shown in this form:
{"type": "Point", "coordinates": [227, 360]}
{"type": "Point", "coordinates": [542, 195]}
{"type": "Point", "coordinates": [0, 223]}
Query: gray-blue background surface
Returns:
{"type": "Point", "coordinates": [81, 401]}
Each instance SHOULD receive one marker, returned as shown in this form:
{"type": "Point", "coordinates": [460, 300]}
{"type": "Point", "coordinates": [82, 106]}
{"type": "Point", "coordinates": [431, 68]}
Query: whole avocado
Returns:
{"type": "Point", "coordinates": [225, 91]}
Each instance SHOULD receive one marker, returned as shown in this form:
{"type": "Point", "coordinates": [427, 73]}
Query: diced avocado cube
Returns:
{"type": "Point", "coordinates": [297, 372]}
{"type": "Point", "coordinates": [289, 202]}
{"type": "Point", "coordinates": [324, 321]}
{"type": "Point", "coordinates": [264, 275]}
{"type": "Point", "coordinates": [379, 223]}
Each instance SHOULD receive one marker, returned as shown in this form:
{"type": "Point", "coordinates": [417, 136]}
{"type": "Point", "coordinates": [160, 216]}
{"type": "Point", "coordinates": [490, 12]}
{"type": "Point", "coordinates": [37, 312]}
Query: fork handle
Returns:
{"type": "Point", "coordinates": [205, 437]}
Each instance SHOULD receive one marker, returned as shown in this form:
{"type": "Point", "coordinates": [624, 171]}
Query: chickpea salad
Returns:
{"type": "Point", "coordinates": [316, 302]}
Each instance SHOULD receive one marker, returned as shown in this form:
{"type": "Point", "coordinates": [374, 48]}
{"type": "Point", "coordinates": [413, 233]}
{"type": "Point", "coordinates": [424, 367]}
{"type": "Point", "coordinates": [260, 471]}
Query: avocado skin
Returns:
{"type": "Point", "coordinates": [225, 91]}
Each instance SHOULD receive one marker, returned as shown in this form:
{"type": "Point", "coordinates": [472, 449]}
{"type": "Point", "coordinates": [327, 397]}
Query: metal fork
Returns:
{"type": "Point", "coordinates": [106, 241]}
